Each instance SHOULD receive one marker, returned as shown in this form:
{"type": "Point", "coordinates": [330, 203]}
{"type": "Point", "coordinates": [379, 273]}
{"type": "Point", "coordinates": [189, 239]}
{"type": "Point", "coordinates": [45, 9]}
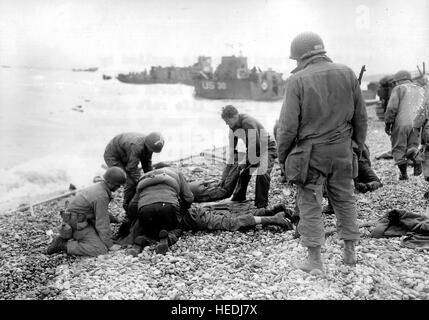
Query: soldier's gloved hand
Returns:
{"type": "Point", "coordinates": [388, 128]}
{"type": "Point", "coordinates": [373, 185]}
{"type": "Point", "coordinates": [361, 187]}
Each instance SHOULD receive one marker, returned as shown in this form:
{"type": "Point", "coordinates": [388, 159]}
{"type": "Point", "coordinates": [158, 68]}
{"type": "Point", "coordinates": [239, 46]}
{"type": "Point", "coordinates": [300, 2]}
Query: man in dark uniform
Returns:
{"type": "Point", "coordinates": [127, 150]}
{"type": "Point", "coordinates": [260, 149]}
{"type": "Point", "coordinates": [323, 111]}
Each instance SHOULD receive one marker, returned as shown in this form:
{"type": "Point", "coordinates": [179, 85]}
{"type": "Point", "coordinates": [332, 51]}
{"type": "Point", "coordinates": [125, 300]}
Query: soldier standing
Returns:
{"type": "Point", "coordinates": [404, 101]}
{"type": "Point", "coordinates": [323, 111]}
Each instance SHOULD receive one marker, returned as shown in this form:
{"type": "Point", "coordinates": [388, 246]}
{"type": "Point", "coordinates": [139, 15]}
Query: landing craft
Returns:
{"type": "Point", "coordinates": [233, 80]}
{"type": "Point", "coordinates": [168, 75]}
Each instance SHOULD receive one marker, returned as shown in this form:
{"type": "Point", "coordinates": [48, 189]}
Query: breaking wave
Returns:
{"type": "Point", "coordinates": [33, 180]}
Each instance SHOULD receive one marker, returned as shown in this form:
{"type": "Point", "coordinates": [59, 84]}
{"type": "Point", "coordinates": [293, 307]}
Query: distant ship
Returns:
{"type": "Point", "coordinates": [168, 75]}
{"type": "Point", "coordinates": [85, 70]}
{"type": "Point", "coordinates": [233, 80]}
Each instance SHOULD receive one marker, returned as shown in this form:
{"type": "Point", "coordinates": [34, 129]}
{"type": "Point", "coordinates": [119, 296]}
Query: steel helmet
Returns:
{"type": "Point", "coordinates": [402, 75]}
{"type": "Point", "coordinates": [154, 141]}
{"type": "Point", "coordinates": [305, 45]}
{"type": "Point", "coordinates": [115, 176]}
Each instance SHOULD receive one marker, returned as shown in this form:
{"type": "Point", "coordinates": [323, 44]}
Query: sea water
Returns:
{"type": "Point", "coordinates": [55, 125]}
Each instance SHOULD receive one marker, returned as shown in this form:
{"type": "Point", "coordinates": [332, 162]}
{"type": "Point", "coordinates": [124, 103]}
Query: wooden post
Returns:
{"type": "Point", "coordinates": [44, 201]}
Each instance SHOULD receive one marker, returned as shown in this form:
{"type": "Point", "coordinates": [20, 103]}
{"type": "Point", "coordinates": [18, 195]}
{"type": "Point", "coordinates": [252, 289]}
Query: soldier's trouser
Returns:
{"type": "Point", "coordinates": [198, 218]}
{"type": "Point", "coordinates": [263, 178]}
{"type": "Point", "coordinates": [405, 144]}
{"type": "Point", "coordinates": [132, 209]}
{"type": "Point", "coordinates": [426, 162]}
{"type": "Point", "coordinates": [219, 190]}
{"type": "Point", "coordinates": [158, 216]}
{"type": "Point", "coordinates": [333, 165]}
{"type": "Point", "coordinates": [130, 188]}
{"type": "Point", "coordinates": [130, 185]}
{"type": "Point", "coordinates": [86, 242]}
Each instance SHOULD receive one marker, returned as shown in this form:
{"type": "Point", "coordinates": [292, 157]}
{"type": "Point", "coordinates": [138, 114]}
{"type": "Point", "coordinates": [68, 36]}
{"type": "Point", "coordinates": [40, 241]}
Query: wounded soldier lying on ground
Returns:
{"type": "Point", "coordinates": [161, 209]}
{"type": "Point", "coordinates": [397, 223]}
{"type": "Point", "coordinates": [238, 216]}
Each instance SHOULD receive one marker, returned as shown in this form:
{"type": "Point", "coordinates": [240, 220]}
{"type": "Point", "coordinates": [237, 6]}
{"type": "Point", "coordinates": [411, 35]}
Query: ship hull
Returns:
{"type": "Point", "coordinates": [236, 89]}
{"type": "Point", "coordinates": [153, 81]}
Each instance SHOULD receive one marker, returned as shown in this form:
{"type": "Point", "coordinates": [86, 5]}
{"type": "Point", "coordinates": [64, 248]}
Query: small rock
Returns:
{"type": "Point", "coordinates": [316, 272]}
{"type": "Point", "coordinates": [420, 287]}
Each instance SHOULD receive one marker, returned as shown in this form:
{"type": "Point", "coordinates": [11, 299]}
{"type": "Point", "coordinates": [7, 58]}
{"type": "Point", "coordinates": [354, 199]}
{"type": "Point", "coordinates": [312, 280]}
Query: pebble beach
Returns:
{"type": "Point", "coordinates": [255, 264]}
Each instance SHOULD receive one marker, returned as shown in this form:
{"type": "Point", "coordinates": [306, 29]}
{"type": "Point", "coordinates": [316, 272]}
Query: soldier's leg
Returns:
{"type": "Point", "coordinates": [399, 148]}
{"type": "Point", "coordinates": [156, 217]}
{"type": "Point", "coordinates": [129, 192]}
{"type": "Point", "coordinates": [212, 221]}
{"type": "Point", "coordinates": [86, 242]}
{"type": "Point", "coordinates": [203, 219]}
{"type": "Point", "coordinates": [413, 152]}
{"type": "Point", "coordinates": [340, 187]}
{"type": "Point", "coordinates": [310, 226]}
{"type": "Point", "coordinates": [241, 190]}
{"type": "Point", "coordinates": [425, 155]}
{"type": "Point", "coordinates": [230, 179]}
{"type": "Point", "coordinates": [131, 215]}
{"type": "Point", "coordinates": [263, 179]}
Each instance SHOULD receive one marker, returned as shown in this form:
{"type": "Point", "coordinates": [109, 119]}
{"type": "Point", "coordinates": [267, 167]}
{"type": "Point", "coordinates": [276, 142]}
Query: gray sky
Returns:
{"type": "Point", "coordinates": [386, 35]}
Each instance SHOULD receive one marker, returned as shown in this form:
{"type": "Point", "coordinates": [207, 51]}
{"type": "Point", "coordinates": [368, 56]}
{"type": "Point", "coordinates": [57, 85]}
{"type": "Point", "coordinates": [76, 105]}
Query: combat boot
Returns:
{"type": "Point", "coordinates": [403, 171]}
{"type": "Point", "coordinates": [142, 241]}
{"type": "Point", "coordinates": [417, 168]}
{"type": "Point", "coordinates": [276, 209]}
{"type": "Point", "coordinates": [279, 219]}
{"type": "Point", "coordinates": [57, 245]}
{"type": "Point", "coordinates": [349, 255]}
{"type": "Point", "coordinates": [162, 246]}
{"type": "Point", "coordinates": [313, 263]}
